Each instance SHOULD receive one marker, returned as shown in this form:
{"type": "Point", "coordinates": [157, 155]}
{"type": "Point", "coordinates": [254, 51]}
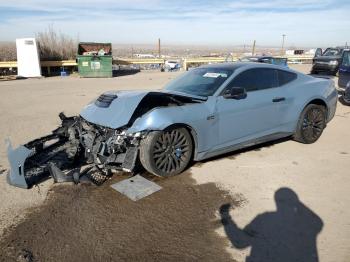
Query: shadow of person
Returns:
{"type": "Point", "coordinates": [288, 234]}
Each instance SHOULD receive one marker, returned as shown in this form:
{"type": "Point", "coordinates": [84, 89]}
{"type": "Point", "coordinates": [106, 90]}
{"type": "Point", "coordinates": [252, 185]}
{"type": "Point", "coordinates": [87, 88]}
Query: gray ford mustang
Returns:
{"type": "Point", "coordinates": [205, 112]}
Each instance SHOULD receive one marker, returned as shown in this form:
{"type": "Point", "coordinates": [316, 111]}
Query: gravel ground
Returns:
{"type": "Point", "coordinates": [89, 223]}
{"type": "Point", "coordinates": [29, 109]}
{"type": "Point", "coordinates": [316, 173]}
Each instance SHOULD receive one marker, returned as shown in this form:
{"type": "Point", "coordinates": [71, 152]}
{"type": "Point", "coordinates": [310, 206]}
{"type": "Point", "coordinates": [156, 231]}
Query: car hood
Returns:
{"type": "Point", "coordinates": [327, 58]}
{"type": "Point", "coordinates": [114, 109]}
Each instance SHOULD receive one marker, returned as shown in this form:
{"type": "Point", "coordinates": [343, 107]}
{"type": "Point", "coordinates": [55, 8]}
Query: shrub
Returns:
{"type": "Point", "coordinates": [55, 45]}
{"type": "Point", "coordinates": [8, 51]}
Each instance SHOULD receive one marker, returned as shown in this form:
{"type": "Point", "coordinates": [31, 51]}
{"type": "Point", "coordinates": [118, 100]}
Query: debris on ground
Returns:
{"type": "Point", "coordinates": [8, 78]}
{"type": "Point", "coordinates": [136, 187]}
{"type": "Point", "coordinates": [25, 256]}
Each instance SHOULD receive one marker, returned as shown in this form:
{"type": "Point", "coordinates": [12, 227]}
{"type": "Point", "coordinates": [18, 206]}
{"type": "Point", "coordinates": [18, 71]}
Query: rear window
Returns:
{"type": "Point", "coordinates": [285, 77]}
{"type": "Point", "coordinates": [249, 59]}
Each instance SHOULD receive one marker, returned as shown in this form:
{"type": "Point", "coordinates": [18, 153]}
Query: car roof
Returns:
{"type": "Point", "coordinates": [257, 57]}
{"type": "Point", "coordinates": [236, 65]}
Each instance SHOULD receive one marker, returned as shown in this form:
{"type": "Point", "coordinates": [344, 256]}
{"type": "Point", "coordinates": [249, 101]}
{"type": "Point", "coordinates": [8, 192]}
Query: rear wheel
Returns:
{"type": "Point", "coordinates": [311, 123]}
{"type": "Point", "coordinates": [166, 153]}
{"type": "Point", "coordinates": [345, 100]}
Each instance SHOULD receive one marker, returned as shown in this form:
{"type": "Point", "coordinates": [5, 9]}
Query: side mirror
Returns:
{"type": "Point", "coordinates": [235, 93]}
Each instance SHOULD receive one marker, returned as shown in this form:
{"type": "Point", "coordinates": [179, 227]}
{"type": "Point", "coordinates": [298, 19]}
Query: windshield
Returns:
{"type": "Point", "coordinates": [200, 81]}
{"type": "Point", "coordinates": [331, 52]}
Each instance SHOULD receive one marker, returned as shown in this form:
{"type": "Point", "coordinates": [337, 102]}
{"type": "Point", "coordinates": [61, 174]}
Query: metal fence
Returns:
{"type": "Point", "coordinates": [187, 62]}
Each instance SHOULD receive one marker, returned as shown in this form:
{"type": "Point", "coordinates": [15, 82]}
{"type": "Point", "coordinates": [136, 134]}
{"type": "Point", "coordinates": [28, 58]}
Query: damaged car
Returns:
{"type": "Point", "coordinates": [205, 112]}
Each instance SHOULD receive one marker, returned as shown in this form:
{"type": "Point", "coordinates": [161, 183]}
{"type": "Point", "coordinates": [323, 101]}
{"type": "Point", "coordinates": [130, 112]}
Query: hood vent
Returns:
{"type": "Point", "coordinates": [105, 100]}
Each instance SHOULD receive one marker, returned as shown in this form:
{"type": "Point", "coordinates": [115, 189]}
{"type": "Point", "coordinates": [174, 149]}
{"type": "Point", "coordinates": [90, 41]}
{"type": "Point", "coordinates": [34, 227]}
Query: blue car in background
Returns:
{"type": "Point", "coordinates": [266, 59]}
{"type": "Point", "coordinates": [344, 70]}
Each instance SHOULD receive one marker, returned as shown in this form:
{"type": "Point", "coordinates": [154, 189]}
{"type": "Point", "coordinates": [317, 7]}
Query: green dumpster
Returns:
{"type": "Point", "coordinates": [94, 59]}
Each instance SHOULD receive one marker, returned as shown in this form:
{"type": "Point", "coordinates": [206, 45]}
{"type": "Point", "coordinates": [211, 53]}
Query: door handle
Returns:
{"type": "Point", "coordinates": [211, 117]}
{"type": "Point", "coordinates": [278, 99]}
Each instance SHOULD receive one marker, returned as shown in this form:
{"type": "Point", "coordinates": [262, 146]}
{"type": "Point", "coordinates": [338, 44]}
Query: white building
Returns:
{"type": "Point", "coordinates": [144, 56]}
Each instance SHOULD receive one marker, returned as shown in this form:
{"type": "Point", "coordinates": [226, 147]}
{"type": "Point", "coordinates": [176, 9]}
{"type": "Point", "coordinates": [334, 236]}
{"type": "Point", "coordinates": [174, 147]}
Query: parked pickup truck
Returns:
{"type": "Point", "coordinates": [328, 61]}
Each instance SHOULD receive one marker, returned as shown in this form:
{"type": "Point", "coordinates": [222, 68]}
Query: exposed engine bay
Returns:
{"type": "Point", "coordinates": [80, 148]}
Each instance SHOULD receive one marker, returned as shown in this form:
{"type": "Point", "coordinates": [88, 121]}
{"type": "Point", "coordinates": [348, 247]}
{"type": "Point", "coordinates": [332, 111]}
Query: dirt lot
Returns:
{"type": "Point", "coordinates": [181, 222]}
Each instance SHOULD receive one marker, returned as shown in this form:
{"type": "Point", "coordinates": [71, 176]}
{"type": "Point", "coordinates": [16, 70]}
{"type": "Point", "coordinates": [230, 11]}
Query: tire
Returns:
{"type": "Point", "coordinates": [344, 100]}
{"type": "Point", "coordinates": [311, 124]}
{"type": "Point", "coordinates": [166, 153]}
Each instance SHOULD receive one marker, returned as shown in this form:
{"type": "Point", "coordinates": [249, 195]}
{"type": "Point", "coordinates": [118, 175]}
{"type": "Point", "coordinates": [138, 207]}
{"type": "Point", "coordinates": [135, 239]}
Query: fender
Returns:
{"type": "Point", "coordinates": [192, 116]}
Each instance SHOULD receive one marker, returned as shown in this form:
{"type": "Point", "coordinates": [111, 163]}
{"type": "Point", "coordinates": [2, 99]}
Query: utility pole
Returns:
{"type": "Point", "coordinates": [282, 49]}
{"type": "Point", "coordinates": [159, 53]}
{"type": "Point", "coordinates": [132, 52]}
{"type": "Point", "coordinates": [253, 51]}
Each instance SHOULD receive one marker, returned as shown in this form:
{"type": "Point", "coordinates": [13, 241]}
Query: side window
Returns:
{"type": "Point", "coordinates": [255, 79]}
{"type": "Point", "coordinates": [285, 77]}
{"type": "Point", "coordinates": [346, 58]}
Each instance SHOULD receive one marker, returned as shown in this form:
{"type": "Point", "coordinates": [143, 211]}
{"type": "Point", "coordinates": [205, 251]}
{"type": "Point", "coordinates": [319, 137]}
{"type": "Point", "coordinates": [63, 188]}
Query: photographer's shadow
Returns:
{"type": "Point", "coordinates": [287, 234]}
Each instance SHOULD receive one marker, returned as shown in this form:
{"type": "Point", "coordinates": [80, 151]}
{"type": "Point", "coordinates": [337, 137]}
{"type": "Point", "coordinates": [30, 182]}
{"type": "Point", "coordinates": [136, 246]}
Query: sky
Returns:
{"type": "Point", "coordinates": [307, 23]}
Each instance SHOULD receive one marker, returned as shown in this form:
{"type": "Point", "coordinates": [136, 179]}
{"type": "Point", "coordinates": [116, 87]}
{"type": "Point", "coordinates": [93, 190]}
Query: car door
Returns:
{"type": "Point", "coordinates": [344, 70]}
{"type": "Point", "coordinates": [254, 116]}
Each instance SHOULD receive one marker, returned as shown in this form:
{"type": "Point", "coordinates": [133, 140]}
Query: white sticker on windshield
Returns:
{"type": "Point", "coordinates": [215, 75]}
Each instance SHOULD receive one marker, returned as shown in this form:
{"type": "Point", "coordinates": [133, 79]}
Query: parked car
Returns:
{"type": "Point", "coordinates": [171, 65]}
{"type": "Point", "coordinates": [207, 111]}
{"type": "Point", "coordinates": [328, 61]}
{"type": "Point", "coordinates": [344, 70]}
{"type": "Point", "coordinates": [265, 59]}
{"type": "Point", "coordinates": [345, 96]}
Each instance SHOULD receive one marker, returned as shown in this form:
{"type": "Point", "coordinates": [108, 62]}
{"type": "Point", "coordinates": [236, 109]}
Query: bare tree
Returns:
{"type": "Point", "coordinates": [55, 45]}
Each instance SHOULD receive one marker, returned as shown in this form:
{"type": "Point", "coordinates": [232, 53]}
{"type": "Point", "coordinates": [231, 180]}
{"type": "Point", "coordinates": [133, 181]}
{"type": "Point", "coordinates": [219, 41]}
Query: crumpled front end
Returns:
{"type": "Point", "coordinates": [92, 144]}
{"type": "Point", "coordinates": [75, 145]}
{"type": "Point", "coordinates": [111, 148]}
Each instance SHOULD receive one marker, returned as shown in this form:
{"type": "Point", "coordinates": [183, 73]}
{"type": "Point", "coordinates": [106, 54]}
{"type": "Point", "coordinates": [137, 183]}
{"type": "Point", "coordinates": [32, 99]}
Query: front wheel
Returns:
{"type": "Point", "coordinates": [311, 123]}
{"type": "Point", "coordinates": [166, 153]}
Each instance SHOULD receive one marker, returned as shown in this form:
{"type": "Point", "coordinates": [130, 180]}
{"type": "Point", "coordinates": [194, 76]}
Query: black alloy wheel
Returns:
{"type": "Point", "coordinates": [311, 124]}
{"type": "Point", "coordinates": [166, 153]}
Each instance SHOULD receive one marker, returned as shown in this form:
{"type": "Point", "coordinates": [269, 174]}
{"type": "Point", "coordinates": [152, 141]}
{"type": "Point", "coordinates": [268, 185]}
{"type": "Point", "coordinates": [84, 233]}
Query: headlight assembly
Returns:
{"type": "Point", "coordinates": [333, 62]}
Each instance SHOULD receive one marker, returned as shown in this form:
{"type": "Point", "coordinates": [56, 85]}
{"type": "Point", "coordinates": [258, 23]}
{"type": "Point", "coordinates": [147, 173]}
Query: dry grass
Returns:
{"type": "Point", "coordinates": [8, 51]}
{"type": "Point", "coordinates": [55, 45]}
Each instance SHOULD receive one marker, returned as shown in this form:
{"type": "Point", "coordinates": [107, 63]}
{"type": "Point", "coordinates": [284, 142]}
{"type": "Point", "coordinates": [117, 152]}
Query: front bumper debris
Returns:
{"type": "Point", "coordinates": [77, 148]}
{"type": "Point", "coordinates": [17, 158]}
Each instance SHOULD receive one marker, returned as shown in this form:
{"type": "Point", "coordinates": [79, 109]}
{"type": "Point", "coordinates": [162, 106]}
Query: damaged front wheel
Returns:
{"type": "Point", "coordinates": [166, 153]}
